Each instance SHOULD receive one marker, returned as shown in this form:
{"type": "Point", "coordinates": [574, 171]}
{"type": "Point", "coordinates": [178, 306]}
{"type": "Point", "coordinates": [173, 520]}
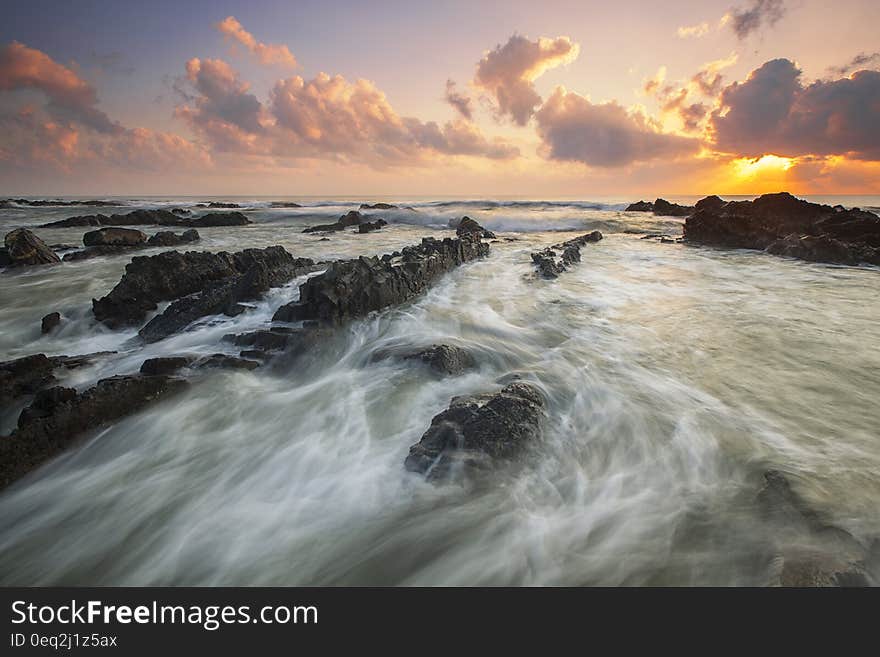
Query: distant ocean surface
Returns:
{"type": "Point", "coordinates": [675, 377]}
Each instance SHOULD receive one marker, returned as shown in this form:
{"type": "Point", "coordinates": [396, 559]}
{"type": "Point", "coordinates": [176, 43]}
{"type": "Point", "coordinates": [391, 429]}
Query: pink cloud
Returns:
{"type": "Point", "coordinates": [268, 54]}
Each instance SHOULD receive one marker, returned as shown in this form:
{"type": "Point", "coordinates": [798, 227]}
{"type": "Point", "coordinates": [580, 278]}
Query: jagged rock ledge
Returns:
{"type": "Point", "coordinates": [554, 260]}
{"type": "Point", "coordinates": [112, 241]}
{"type": "Point", "coordinates": [28, 374]}
{"type": "Point", "coordinates": [171, 275]}
{"type": "Point", "coordinates": [784, 225]}
{"type": "Point", "coordinates": [21, 248]}
{"type": "Point", "coordinates": [151, 218]}
{"type": "Point", "coordinates": [353, 218]}
{"type": "Point", "coordinates": [661, 207]}
{"type": "Point", "coordinates": [478, 431]}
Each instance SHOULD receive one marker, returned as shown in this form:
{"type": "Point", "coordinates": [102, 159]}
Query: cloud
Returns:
{"type": "Point", "coordinates": [773, 112]}
{"type": "Point", "coordinates": [603, 135]}
{"type": "Point", "coordinates": [71, 99]}
{"type": "Point", "coordinates": [508, 72]}
{"type": "Point", "coordinates": [758, 14]}
{"type": "Point", "coordinates": [693, 31]}
{"type": "Point", "coordinates": [268, 54]}
{"type": "Point", "coordinates": [860, 61]}
{"type": "Point", "coordinates": [459, 101]}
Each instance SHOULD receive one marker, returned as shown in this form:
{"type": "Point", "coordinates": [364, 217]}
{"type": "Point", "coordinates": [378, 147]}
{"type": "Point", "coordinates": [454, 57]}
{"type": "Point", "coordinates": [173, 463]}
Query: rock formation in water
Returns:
{"type": "Point", "coordinates": [152, 218]}
{"type": "Point", "coordinates": [113, 241]}
{"type": "Point", "coordinates": [171, 275]}
{"type": "Point", "coordinates": [784, 225]}
{"type": "Point", "coordinates": [444, 359]}
{"type": "Point", "coordinates": [58, 415]}
{"type": "Point", "coordinates": [370, 226]}
{"type": "Point", "coordinates": [378, 206]}
{"type": "Point", "coordinates": [554, 260]}
{"type": "Point", "coordinates": [218, 204]}
{"type": "Point", "coordinates": [467, 225]}
{"type": "Point", "coordinates": [28, 374]}
{"type": "Point", "coordinates": [50, 322]}
{"type": "Point", "coordinates": [479, 430]}
{"type": "Point", "coordinates": [353, 218]}
{"type": "Point", "coordinates": [14, 202]}
{"type": "Point", "coordinates": [815, 553]}
{"type": "Point", "coordinates": [24, 249]}
{"type": "Point", "coordinates": [661, 207]}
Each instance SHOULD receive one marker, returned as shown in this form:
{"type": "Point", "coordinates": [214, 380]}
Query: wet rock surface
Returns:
{"type": "Point", "coordinates": [149, 280]}
{"type": "Point", "coordinates": [661, 207]}
{"type": "Point", "coordinates": [478, 431]}
{"type": "Point", "coordinates": [114, 237]}
{"type": "Point", "coordinates": [353, 288]}
{"type": "Point", "coordinates": [50, 322]}
{"type": "Point", "coordinates": [153, 218]}
{"type": "Point", "coordinates": [353, 218]}
{"type": "Point", "coordinates": [378, 206]}
{"type": "Point", "coordinates": [41, 203]}
{"type": "Point", "coordinates": [784, 225]}
{"type": "Point", "coordinates": [24, 249]}
{"type": "Point", "coordinates": [444, 359]}
{"type": "Point", "coordinates": [58, 416]}
{"type": "Point", "coordinates": [466, 226]}
{"type": "Point", "coordinates": [370, 226]}
{"type": "Point", "coordinates": [554, 260]}
{"type": "Point", "coordinates": [170, 238]}
{"type": "Point", "coordinates": [28, 374]}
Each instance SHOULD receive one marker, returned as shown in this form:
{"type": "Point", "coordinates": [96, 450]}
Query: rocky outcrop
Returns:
{"type": "Point", "coordinates": [284, 204]}
{"type": "Point", "coordinates": [153, 218]}
{"type": "Point", "coordinates": [24, 249]}
{"type": "Point", "coordinates": [353, 288]}
{"type": "Point", "coordinates": [58, 416]}
{"type": "Point", "coordinates": [370, 226]}
{"type": "Point", "coordinates": [171, 275]}
{"type": "Point", "coordinates": [378, 206]}
{"type": "Point", "coordinates": [353, 218]}
{"type": "Point", "coordinates": [784, 225]}
{"type": "Point", "coordinates": [218, 204]}
{"type": "Point", "coordinates": [661, 207]}
{"type": "Point", "coordinates": [216, 219]}
{"type": "Point", "coordinates": [554, 260]}
{"type": "Point", "coordinates": [114, 237]}
{"type": "Point", "coordinates": [26, 375]}
{"type": "Point", "coordinates": [466, 225]}
{"type": "Point", "coordinates": [50, 322]}
{"type": "Point", "coordinates": [478, 431]}
{"type": "Point", "coordinates": [710, 203]}
{"type": "Point", "coordinates": [160, 239]}
{"type": "Point", "coordinates": [444, 359]}
{"type": "Point", "coordinates": [13, 202]}
{"type": "Point", "coordinates": [169, 238]}
{"type": "Point", "coordinates": [823, 555]}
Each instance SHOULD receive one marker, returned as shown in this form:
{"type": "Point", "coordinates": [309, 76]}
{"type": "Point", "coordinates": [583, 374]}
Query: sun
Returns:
{"type": "Point", "coordinates": [745, 167]}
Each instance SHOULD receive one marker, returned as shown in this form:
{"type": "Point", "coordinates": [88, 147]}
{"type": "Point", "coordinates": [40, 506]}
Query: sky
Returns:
{"type": "Point", "coordinates": [481, 99]}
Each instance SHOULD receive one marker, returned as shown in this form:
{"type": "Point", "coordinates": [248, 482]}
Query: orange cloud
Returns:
{"type": "Point", "coordinates": [507, 73]}
{"type": "Point", "coordinates": [268, 54]}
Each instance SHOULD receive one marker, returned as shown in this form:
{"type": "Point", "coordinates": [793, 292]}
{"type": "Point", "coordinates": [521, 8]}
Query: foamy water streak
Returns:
{"type": "Point", "coordinates": [674, 376]}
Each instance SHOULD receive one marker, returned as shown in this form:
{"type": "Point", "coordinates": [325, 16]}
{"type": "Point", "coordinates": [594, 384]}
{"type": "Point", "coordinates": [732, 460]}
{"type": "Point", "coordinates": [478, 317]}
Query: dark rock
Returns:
{"type": "Point", "coordinates": [12, 202]}
{"type": "Point", "coordinates": [640, 206]}
{"type": "Point", "coordinates": [60, 415]}
{"type": "Point", "coordinates": [171, 275]}
{"type": "Point", "coordinates": [477, 430]}
{"type": "Point", "coordinates": [24, 249]}
{"type": "Point", "coordinates": [284, 204]}
{"type": "Point", "coordinates": [710, 203]}
{"type": "Point", "coordinates": [217, 204]}
{"type": "Point", "coordinates": [445, 359]}
{"type": "Point", "coordinates": [368, 226]}
{"type": "Point", "coordinates": [226, 362]}
{"type": "Point", "coordinates": [254, 354]}
{"type": "Point", "coordinates": [554, 260]}
{"type": "Point", "coordinates": [785, 225]}
{"type": "Point", "coordinates": [97, 251]}
{"type": "Point", "coordinates": [181, 211]}
{"type": "Point", "coordinates": [224, 296]}
{"type": "Point", "coordinates": [169, 238]}
{"type": "Point", "coordinates": [217, 219]}
{"type": "Point", "coordinates": [114, 237]}
{"type": "Point", "coordinates": [50, 322]}
{"type": "Point", "coordinates": [27, 375]}
{"type": "Point", "coordinates": [353, 288]}
{"type": "Point", "coordinates": [665, 208]}
{"type": "Point", "coordinates": [134, 218]}
{"type": "Point", "coordinates": [165, 365]}
{"type": "Point", "coordinates": [352, 218]}
{"type": "Point", "coordinates": [377, 206]}
{"type": "Point", "coordinates": [468, 225]}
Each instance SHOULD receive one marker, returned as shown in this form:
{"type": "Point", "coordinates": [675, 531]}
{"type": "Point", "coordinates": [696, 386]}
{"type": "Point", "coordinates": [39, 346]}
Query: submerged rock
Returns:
{"type": "Point", "coordinates": [24, 249]}
{"type": "Point", "coordinates": [554, 260]}
{"type": "Point", "coordinates": [169, 238]}
{"type": "Point", "coordinates": [218, 204]}
{"type": "Point", "coordinates": [353, 288]}
{"type": "Point", "coordinates": [171, 275]}
{"type": "Point", "coordinates": [785, 225]}
{"type": "Point", "coordinates": [444, 358]}
{"type": "Point", "coordinates": [378, 206]}
{"type": "Point", "coordinates": [353, 218]}
{"type": "Point", "coordinates": [284, 204]}
{"type": "Point", "coordinates": [59, 415]}
{"type": "Point", "coordinates": [478, 430]}
{"type": "Point", "coordinates": [114, 237]}
{"type": "Point", "coordinates": [50, 322]}
{"type": "Point", "coordinates": [370, 226]}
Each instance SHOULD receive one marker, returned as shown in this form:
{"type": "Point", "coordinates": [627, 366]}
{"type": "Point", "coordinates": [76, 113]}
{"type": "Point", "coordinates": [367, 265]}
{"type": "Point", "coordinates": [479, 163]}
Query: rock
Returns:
{"type": "Point", "coordinates": [169, 238]}
{"type": "Point", "coordinates": [353, 288]}
{"type": "Point", "coordinates": [294, 341]}
{"type": "Point", "coordinates": [226, 362]}
{"type": "Point", "coordinates": [785, 225]}
{"type": "Point", "coordinates": [551, 264]}
{"type": "Point", "coordinates": [352, 218]}
{"type": "Point", "coordinates": [284, 204]}
{"type": "Point", "coordinates": [59, 415]}
{"type": "Point", "coordinates": [371, 226]}
{"type": "Point", "coordinates": [24, 249]}
{"type": "Point", "coordinates": [223, 297]}
{"type": "Point", "coordinates": [468, 225]}
{"type": "Point", "coordinates": [171, 275]}
{"type": "Point", "coordinates": [114, 237]}
{"type": "Point", "coordinates": [165, 365]}
{"type": "Point", "coordinates": [478, 430]}
{"type": "Point", "coordinates": [378, 206]}
{"type": "Point", "coordinates": [27, 375]}
{"type": "Point", "coordinates": [665, 208]}
{"type": "Point", "coordinates": [97, 251]}
{"type": "Point", "coordinates": [134, 218]}
{"type": "Point", "coordinates": [218, 219]}
{"type": "Point", "coordinates": [181, 211]}
{"type": "Point", "coordinates": [640, 206]}
{"type": "Point", "coordinates": [50, 322]}
{"type": "Point", "coordinates": [12, 202]}
{"type": "Point", "coordinates": [444, 358]}
{"type": "Point", "coordinates": [710, 203]}
{"type": "Point", "coordinates": [217, 204]}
